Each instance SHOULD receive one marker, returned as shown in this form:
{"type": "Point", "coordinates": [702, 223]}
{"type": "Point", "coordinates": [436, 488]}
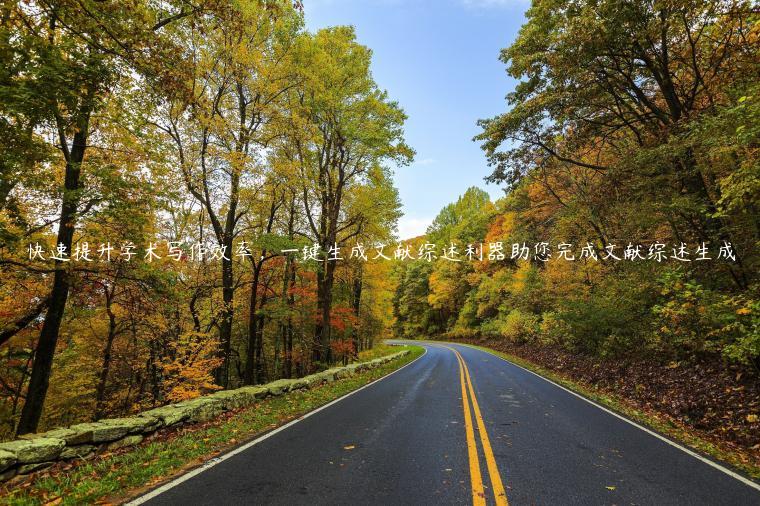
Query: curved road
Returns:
{"type": "Point", "coordinates": [410, 439]}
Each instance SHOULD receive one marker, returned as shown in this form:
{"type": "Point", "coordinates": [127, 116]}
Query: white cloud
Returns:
{"type": "Point", "coordinates": [409, 227]}
{"type": "Point", "coordinates": [425, 161]}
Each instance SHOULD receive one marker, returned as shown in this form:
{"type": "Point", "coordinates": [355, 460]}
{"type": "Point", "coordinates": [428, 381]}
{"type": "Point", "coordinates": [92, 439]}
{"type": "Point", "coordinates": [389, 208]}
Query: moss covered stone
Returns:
{"type": "Point", "coordinates": [279, 387]}
{"type": "Point", "coordinates": [166, 415]}
{"type": "Point", "coordinates": [132, 440]}
{"type": "Point", "coordinates": [7, 459]}
{"type": "Point", "coordinates": [99, 432]}
{"type": "Point", "coordinates": [28, 451]}
{"type": "Point", "coordinates": [71, 437]}
{"type": "Point", "coordinates": [76, 451]}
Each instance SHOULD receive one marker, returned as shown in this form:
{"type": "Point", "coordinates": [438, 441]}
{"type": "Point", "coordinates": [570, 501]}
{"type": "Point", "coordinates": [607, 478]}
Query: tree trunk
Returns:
{"type": "Point", "coordinates": [356, 304]}
{"type": "Point", "coordinates": [283, 324]}
{"type": "Point", "coordinates": [250, 355]}
{"type": "Point", "coordinates": [260, 374]}
{"type": "Point", "coordinates": [100, 392]}
{"type": "Point", "coordinates": [322, 350]}
{"type": "Point", "coordinates": [289, 342]}
{"type": "Point", "coordinates": [43, 355]}
{"type": "Point", "coordinates": [225, 325]}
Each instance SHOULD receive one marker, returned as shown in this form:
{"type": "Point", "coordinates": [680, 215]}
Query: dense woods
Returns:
{"type": "Point", "coordinates": [165, 168]}
{"type": "Point", "coordinates": [196, 196]}
{"type": "Point", "coordinates": [632, 123]}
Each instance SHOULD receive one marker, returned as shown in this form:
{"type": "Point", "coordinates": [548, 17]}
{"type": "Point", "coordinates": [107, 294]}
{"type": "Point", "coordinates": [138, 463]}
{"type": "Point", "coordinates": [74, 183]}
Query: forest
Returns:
{"type": "Point", "coordinates": [633, 123]}
{"type": "Point", "coordinates": [172, 176]}
{"type": "Point", "coordinates": [200, 196]}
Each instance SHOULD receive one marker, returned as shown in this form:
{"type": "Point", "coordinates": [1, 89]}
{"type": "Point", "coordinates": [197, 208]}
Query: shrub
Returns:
{"type": "Point", "coordinates": [603, 324]}
{"type": "Point", "coordinates": [554, 330]}
{"type": "Point", "coordinates": [742, 333]}
{"type": "Point", "coordinates": [517, 326]}
{"type": "Point", "coordinates": [691, 319]}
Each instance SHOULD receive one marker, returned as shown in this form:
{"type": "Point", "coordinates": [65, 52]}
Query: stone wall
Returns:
{"type": "Point", "coordinates": [37, 451]}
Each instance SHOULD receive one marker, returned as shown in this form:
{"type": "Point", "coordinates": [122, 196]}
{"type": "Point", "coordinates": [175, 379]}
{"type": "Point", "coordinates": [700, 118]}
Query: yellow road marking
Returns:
{"type": "Point", "coordinates": [476, 480]}
{"type": "Point", "coordinates": [497, 486]}
{"type": "Point", "coordinates": [493, 471]}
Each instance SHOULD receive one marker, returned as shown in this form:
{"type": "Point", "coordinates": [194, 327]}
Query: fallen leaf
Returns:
{"type": "Point", "coordinates": [349, 447]}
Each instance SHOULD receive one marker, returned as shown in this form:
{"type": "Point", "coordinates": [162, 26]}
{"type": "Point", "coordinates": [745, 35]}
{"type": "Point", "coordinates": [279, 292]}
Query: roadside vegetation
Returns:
{"type": "Point", "coordinates": [116, 476]}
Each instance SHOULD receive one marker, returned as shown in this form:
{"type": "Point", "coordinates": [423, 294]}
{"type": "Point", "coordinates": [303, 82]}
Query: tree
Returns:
{"type": "Point", "coordinates": [350, 129]}
{"type": "Point", "coordinates": [104, 108]}
{"type": "Point", "coordinates": [607, 90]}
{"type": "Point", "coordinates": [219, 125]}
{"type": "Point", "coordinates": [90, 45]}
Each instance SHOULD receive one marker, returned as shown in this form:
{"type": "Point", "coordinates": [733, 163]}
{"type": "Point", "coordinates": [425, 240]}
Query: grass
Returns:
{"type": "Point", "coordinates": [118, 476]}
{"type": "Point", "coordinates": [656, 421]}
{"type": "Point", "coordinates": [377, 351]}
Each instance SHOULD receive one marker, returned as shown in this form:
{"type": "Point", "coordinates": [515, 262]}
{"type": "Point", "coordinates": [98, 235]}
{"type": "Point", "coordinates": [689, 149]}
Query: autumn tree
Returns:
{"type": "Point", "coordinates": [221, 123]}
{"type": "Point", "coordinates": [634, 123]}
{"type": "Point", "coordinates": [53, 46]}
{"type": "Point", "coordinates": [609, 90]}
{"type": "Point", "coordinates": [149, 127]}
{"type": "Point", "coordinates": [350, 129]}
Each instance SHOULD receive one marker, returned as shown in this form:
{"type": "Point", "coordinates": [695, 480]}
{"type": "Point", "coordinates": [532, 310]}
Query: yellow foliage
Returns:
{"type": "Point", "coordinates": [520, 277]}
{"type": "Point", "coordinates": [502, 227]}
{"type": "Point", "coordinates": [188, 366]}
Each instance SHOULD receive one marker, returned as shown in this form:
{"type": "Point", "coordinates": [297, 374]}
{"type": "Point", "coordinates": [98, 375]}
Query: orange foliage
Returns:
{"type": "Point", "coordinates": [342, 318]}
{"type": "Point", "coordinates": [343, 348]}
{"type": "Point", "coordinates": [187, 369]}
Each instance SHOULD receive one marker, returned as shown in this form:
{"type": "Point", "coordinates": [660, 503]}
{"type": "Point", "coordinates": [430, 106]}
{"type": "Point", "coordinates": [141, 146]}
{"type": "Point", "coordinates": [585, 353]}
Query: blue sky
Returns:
{"type": "Point", "coordinates": [439, 60]}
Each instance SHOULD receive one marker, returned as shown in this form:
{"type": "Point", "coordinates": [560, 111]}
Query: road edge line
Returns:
{"type": "Point", "coordinates": [710, 462]}
{"type": "Point", "coordinates": [221, 458]}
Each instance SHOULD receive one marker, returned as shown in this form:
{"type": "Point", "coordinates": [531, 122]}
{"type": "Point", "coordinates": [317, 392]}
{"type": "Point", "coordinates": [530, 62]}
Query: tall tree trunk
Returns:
{"type": "Point", "coordinates": [253, 334]}
{"type": "Point", "coordinates": [225, 233]}
{"type": "Point", "coordinates": [289, 283]}
{"type": "Point", "coordinates": [225, 325]}
{"type": "Point", "coordinates": [250, 355]}
{"type": "Point", "coordinates": [279, 338]}
{"type": "Point", "coordinates": [43, 355]}
{"type": "Point", "coordinates": [283, 324]}
{"type": "Point", "coordinates": [356, 305]}
{"type": "Point", "coordinates": [325, 282]}
{"type": "Point", "coordinates": [152, 371]}
{"type": "Point", "coordinates": [260, 374]}
{"type": "Point", "coordinates": [289, 342]}
{"type": "Point", "coordinates": [100, 391]}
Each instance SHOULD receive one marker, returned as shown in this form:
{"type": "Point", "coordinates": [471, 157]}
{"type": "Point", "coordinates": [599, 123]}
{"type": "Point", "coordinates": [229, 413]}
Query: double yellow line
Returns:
{"type": "Point", "coordinates": [478, 493]}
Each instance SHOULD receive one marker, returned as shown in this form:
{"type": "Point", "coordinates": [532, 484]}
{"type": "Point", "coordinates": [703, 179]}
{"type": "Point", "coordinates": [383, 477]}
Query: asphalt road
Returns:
{"type": "Point", "coordinates": [410, 439]}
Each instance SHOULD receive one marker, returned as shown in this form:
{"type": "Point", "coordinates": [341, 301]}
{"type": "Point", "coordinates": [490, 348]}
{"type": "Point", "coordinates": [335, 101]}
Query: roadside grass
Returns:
{"type": "Point", "coordinates": [656, 421]}
{"type": "Point", "coordinates": [114, 478]}
{"type": "Point", "coordinates": [377, 351]}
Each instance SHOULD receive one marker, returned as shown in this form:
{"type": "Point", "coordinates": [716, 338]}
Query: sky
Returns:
{"type": "Point", "coordinates": [440, 60]}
